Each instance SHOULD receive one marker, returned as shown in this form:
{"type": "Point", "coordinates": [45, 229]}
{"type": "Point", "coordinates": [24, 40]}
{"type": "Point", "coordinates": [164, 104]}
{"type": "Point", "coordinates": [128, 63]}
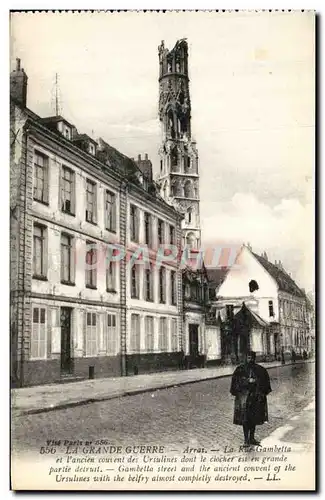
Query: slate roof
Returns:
{"type": "Point", "coordinates": [216, 275]}
{"type": "Point", "coordinates": [284, 281]}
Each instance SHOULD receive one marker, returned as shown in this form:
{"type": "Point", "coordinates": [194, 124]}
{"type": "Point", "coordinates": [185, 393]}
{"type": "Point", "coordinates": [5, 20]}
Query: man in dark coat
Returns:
{"type": "Point", "coordinates": [250, 385]}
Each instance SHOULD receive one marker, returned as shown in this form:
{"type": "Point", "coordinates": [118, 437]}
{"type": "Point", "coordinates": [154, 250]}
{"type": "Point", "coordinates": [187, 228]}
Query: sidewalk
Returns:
{"type": "Point", "coordinates": [44, 398]}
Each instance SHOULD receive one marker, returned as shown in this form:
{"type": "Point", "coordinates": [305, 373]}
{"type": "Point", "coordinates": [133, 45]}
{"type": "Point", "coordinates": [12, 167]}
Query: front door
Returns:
{"type": "Point", "coordinates": [194, 344]}
{"type": "Point", "coordinates": [66, 364]}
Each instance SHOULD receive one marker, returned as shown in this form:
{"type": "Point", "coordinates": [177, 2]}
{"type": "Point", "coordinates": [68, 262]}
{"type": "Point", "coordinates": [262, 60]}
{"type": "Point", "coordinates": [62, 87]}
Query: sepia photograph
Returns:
{"type": "Point", "coordinates": [162, 250]}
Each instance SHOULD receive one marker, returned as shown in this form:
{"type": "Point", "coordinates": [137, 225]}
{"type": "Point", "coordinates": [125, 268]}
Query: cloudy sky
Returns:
{"type": "Point", "coordinates": [252, 89]}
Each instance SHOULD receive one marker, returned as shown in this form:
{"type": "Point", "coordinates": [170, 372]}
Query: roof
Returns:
{"type": "Point", "coordinates": [216, 275]}
{"type": "Point", "coordinates": [119, 161]}
{"type": "Point", "coordinates": [84, 137]}
{"type": "Point", "coordinates": [245, 313]}
{"type": "Point", "coordinates": [54, 119]}
{"type": "Point", "coordinates": [284, 281]}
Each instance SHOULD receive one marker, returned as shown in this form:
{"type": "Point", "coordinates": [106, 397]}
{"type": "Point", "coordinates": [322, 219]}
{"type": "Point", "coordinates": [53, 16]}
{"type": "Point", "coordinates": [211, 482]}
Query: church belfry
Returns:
{"type": "Point", "coordinates": [178, 177]}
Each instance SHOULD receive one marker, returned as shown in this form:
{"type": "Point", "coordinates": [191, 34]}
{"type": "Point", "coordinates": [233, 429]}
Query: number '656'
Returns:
{"type": "Point", "coordinates": [47, 451]}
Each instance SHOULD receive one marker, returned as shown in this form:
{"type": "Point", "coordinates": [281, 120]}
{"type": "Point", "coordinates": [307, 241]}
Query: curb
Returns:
{"type": "Point", "coordinates": [83, 402]}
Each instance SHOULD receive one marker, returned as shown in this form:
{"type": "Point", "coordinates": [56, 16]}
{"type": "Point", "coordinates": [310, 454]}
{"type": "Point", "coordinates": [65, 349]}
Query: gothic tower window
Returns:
{"type": "Point", "coordinates": [190, 240]}
{"type": "Point", "coordinates": [188, 189]}
{"type": "Point", "coordinates": [170, 124]}
{"type": "Point", "coordinates": [165, 190]}
{"type": "Point", "coordinates": [177, 188]}
{"type": "Point", "coordinates": [174, 157]}
{"type": "Point", "coordinates": [189, 215]}
{"type": "Point", "coordinates": [187, 163]}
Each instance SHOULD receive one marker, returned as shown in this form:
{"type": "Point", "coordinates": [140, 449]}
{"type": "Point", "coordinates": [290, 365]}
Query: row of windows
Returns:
{"type": "Point", "coordinates": [162, 227]}
{"type": "Point", "coordinates": [293, 309]}
{"type": "Point", "coordinates": [159, 334]}
{"type": "Point", "coordinates": [149, 284]}
{"type": "Point", "coordinates": [68, 203]}
{"type": "Point", "coordinates": [94, 345]}
{"type": "Point", "coordinates": [67, 258]}
{"type": "Point", "coordinates": [67, 189]}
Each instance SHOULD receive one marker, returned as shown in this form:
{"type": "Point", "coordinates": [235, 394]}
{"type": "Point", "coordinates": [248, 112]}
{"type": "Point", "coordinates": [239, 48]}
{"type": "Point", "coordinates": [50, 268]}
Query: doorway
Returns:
{"type": "Point", "coordinates": [66, 361]}
{"type": "Point", "coordinates": [194, 344]}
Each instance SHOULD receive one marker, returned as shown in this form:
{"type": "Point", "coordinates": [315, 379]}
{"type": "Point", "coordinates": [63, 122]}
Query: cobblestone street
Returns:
{"type": "Point", "coordinates": [198, 414]}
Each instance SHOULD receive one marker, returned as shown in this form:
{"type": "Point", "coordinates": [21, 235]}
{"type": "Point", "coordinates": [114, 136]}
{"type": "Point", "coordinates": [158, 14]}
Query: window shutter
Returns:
{"type": "Point", "coordinates": [137, 224]}
{"type": "Point", "coordinates": [73, 259]}
{"type": "Point", "coordinates": [85, 333]}
{"type": "Point", "coordinates": [95, 203]}
{"type": "Point", "coordinates": [45, 250]}
{"type": "Point", "coordinates": [46, 181]}
{"type": "Point", "coordinates": [73, 193]}
{"type": "Point", "coordinates": [60, 186]}
{"type": "Point", "coordinates": [114, 213]}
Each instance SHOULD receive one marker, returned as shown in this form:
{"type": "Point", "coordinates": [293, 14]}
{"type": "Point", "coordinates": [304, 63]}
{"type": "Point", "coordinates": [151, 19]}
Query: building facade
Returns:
{"type": "Point", "coordinates": [78, 215]}
{"type": "Point", "coordinates": [260, 307]}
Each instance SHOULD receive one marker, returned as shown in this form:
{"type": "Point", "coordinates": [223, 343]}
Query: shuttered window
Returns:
{"type": "Point", "coordinates": [38, 343]}
{"type": "Point", "coordinates": [149, 333]}
{"type": "Point", "coordinates": [91, 335]}
{"type": "Point", "coordinates": [163, 335]}
{"type": "Point", "coordinates": [111, 345]}
{"type": "Point", "coordinates": [174, 335]}
{"type": "Point", "coordinates": [135, 340]}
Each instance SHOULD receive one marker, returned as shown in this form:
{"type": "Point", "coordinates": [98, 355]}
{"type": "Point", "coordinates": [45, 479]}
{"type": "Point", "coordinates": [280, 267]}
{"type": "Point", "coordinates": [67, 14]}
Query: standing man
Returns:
{"type": "Point", "coordinates": [250, 385]}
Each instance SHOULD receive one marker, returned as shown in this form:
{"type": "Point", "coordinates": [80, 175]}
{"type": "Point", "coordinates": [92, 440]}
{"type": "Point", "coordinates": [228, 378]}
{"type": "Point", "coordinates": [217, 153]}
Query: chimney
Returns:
{"type": "Point", "coordinates": [18, 84]}
{"type": "Point", "coordinates": [145, 166]}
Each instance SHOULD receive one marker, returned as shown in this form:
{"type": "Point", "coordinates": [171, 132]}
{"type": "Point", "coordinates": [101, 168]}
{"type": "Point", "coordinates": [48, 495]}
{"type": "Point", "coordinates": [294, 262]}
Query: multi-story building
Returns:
{"type": "Point", "coordinates": [79, 210]}
{"type": "Point", "coordinates": [179, 184]}
{"type": "Point", "coordinates": [260, 307]}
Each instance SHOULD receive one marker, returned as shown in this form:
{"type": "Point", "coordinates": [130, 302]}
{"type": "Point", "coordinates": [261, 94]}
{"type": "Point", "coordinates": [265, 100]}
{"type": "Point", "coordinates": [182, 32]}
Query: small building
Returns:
{"type": "Point", "coordinates": [261, 295]}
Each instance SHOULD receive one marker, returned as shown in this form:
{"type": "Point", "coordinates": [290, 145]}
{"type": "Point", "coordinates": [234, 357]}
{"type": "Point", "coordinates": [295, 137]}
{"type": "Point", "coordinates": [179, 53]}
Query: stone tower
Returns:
{"type": "Point", "coordinates": [178, 177]}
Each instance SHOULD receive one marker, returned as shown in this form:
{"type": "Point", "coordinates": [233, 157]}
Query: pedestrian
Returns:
{"type": "Point", "coordinates": [250, 385]}
{"type": "Point", "coordinates": [293, 356]}
{"type": "Point", "coordinates": [283, 361]}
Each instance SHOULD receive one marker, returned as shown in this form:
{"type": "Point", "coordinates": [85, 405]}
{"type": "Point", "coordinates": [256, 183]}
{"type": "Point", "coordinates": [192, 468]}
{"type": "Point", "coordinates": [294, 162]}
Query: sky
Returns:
{"type": "Point", "coordinates": [252, 84]}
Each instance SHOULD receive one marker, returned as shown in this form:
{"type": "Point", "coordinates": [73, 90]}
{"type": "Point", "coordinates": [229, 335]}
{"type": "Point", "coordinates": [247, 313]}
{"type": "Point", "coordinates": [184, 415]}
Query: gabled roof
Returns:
{"type": "Point", "coordinates": [216, 275]}
{"type": "Point", "coordinates": [284, 281]}
{"type": "Point", "coordinates": [245, 313]}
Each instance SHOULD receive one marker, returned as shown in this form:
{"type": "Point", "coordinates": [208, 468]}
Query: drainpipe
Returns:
{"type": "Point", "coordinates": [123, 191]}
{"type": "Point", "coordinates": [22, 357]}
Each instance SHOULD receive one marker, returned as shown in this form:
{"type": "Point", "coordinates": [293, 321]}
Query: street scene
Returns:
{"type": "Point", "coordinates": [197, 414]}
{"type": "Point", "coordinates": [162, 290]}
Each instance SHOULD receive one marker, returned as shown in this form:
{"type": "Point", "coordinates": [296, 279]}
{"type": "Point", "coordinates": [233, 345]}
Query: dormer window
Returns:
{"type": "Point", "coordinates": [91, 149]}
{"type": "Point", "coordinates": [67, 133]}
